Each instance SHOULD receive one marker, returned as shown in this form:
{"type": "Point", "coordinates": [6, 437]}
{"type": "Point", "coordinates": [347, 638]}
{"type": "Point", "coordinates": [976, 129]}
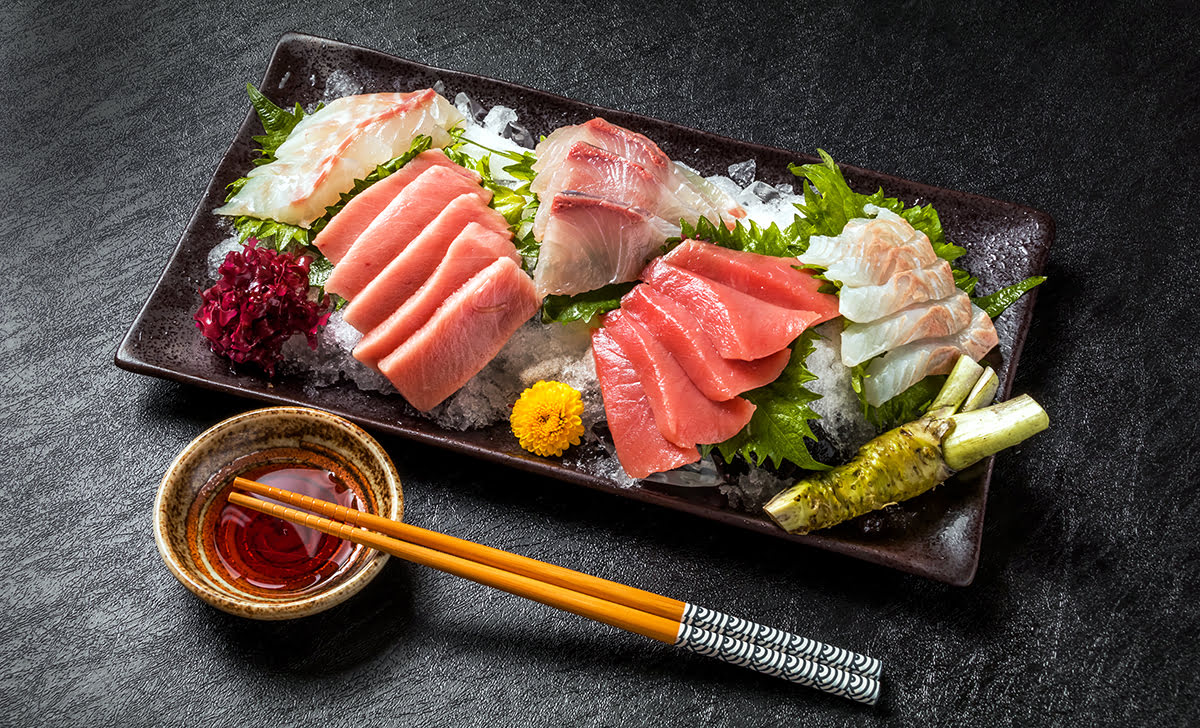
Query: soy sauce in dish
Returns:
{"type": "Point", "coordinates": [261, 553]}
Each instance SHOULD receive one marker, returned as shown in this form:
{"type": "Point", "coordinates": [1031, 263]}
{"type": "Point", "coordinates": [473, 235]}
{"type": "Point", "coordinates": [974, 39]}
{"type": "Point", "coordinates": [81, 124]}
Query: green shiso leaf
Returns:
{"type": "Point", "coordinates": [780, 428]}
{"type": "Point", "coordinates": [584, 306]}
{"type": "Point", "coordinates": [751, 239]}
{"type": "Point", "coordinates": [277, 124]}
{"type": "Point", "coordinates": [995, 303]}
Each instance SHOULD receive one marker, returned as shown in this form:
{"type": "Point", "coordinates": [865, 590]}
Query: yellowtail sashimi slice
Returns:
{"type": "Point", "coordinates": [331, 148]}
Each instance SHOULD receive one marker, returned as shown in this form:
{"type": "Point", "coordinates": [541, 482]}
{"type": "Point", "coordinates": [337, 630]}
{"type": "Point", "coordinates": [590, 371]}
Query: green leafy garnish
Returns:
{"type": "Point", "coordinates": [277, 124]}
{"type": "Point", "coordinates": [752, 239]}
{"type": "Point", "coordinates": [904, 407]}
{"type": "Point", "coordinates": [780, 426]}
{"type": "Point", "coordinates": [584, 306]}
{"type": "Point", "coordinates": [995, 303]}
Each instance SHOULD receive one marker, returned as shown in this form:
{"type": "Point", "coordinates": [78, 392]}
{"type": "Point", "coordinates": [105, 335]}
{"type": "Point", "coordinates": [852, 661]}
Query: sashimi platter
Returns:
{"type": "Point", "coordinates": [767, 339]}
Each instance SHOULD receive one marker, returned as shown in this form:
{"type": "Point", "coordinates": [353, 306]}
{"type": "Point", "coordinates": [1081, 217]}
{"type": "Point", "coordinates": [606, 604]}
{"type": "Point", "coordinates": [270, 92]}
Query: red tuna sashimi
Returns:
{"type": "Point", "coordinates": [465, 333]}
{"type": "Point", "coordinates": [766, 277]}
{"type": "Point", "coordinates": [641, 448]}
{"type": "Point", "coordinates": [740, 326]}
{"type": "Point", "coordinates": [345, 227]}
{"type": "Point", "coordinates": [679, 331]}
{"type": "Point", "coordinates": [684, 415]}
{"type": "Point", "coordinates": [404, 275]}
{"type": "Point", "coordinates": [591, 242]}
{"type": "Point", "coordinates": [402, 220]}
{"type": "Point", "coordinates": [475, 248]}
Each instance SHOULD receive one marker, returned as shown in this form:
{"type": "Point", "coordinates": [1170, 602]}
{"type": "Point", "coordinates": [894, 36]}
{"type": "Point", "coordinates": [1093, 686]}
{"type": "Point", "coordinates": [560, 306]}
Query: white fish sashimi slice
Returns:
{"type": "Point", "coordinates": [331, 148]}
{"type": "Point", "coordinates": [592, 241]}
{"type": "Point", "coordinates": [869, 251]}
{"type": "Point", "coordinates": [929, 320]}
{"type": "Point", "coordinates": [903, 367]}
{"type": "Point", "coordinates": [868, 303]}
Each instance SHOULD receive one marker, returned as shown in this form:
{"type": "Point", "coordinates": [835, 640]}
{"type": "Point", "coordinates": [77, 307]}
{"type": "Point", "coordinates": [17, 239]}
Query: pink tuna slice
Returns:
{"type": "Point", "coordinates": [641, 448]}
{"type": "Point", "coordinates": [684, 415]}
{"type": "Point", "coordinates": [739, 325]}
{"type": "Point", "coordinates": [465, 333]}
{"type": "Point", "coordinates": [345, 227]}
{"type": "Point", "coordinates": [765, 277]}
{"type": "Point", "coordinates": [679, 331]}
{"type": "Point", "coordinates": [402, 220]}
{"type": "Point", "coordinates": [475, 248]}
{"type": "Point", "coordinates": [592, 241]}
{"type": "Point", "coordinates": [408, 270]}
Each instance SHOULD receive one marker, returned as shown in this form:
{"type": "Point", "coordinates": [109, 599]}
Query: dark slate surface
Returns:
{"type": "Point", "coordinates": [1084, 609]}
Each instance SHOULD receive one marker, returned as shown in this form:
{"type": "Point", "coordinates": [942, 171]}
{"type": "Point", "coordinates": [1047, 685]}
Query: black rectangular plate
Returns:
{"type": "Point", "coordinates": [936, 535]}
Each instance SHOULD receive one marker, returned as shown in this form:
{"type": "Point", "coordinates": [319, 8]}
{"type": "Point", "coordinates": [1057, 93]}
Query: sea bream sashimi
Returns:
{"type": "Point", "coordinates": [684, 415]}
{"type": "Point", "coordinates": [331, 148]}
{"type": "Point", "coordinates": [401, 221]}
{"type": "Point", "coordinates": [462, 336]}
{"type": "Point", "coordinates": [868, 303]}
{"type": "Point", "coordinates": [928, 320]}
{"type": "Point", "coordinates": [344, 228]}
{"type": "Point", "coordinates": [869, 251]}
{"type": "Point", "coordinates": [592, 241]}
{"type": "Point", "coordinates": [903, 367]}
{"type": "Point", "coordinates": [767, 278]}
{"type": "Point", "coordinates": [641, 447]}
{"type": "Point", "coordinates": [475, 248]}
{"type": "Point", "coordinates": [739, 325]}
{"type": "Point", "coordinates": [401, 278]}
{"type": "Point", "coordinates": [679, 331]}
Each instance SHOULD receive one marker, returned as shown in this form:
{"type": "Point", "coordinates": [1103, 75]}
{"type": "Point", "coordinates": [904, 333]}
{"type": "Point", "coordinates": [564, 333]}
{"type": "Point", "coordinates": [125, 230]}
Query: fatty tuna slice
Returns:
{"type": "Point", "coordinates": [903, 367]}
{"type": "Point", "coordinates": [766, 277]}
{"type": "Point", "coordinates": [404, 275]}
{"type": "Point", "coordinates": [402, 220]}
{"type": "Point", "coordinates": [475, 248]}
{"type": "Point", "coordinates": [929, 320]}
{"type": "Point", "coordinates": [684, 415]}
{"type": "Point", "coordinates": [345, 227]}
{"type": "Point", "coordinates": [679, 331]}
{"type": "Point", "coordinates": [591, 241]}
{"type": "Point", "coordinates": [465, 333]}
{"type": "Point", "coordinates": [739, 325]}
{"type": "Point", "coordinates": [641, 448]}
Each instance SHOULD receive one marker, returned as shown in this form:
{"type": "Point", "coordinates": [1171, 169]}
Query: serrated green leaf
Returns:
{"type": "Point", "coordinates": [995, 303]}
{"type": "Point", "coordinates": [584, 306]}
{"type": "Point", "coordinates": [779, 428]}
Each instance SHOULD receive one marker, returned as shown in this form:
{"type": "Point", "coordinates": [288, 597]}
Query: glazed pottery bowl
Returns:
{"type": "Point", "coordinates": [279, 437]}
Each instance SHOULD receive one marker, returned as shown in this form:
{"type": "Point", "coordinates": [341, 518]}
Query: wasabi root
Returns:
{"type": "Point", "coordinates": [913, 458]}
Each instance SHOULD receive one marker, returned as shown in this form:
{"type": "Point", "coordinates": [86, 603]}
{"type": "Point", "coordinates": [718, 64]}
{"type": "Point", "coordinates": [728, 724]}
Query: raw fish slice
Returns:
{"type": "Point", "coordinates": [475, 248]}
{"type": "Point", "coordinates": [691, 191]}
{"type": "Point", "coordinates": [739, 325]}
{"type": "Point", "coordinates": [767, 278]}
{"type": "Point", "coordinates": [591, 242]}
{"type": "Point", "coordinates": [929, 320]}
{"type": "Point", "coordinates": [868, 303]}
{"type": "Point", "coordinates": [679, 331]}
{"type": "Point", "coordinates": [465, 333]}
{"type": "Point", "coordinates": [870, 251]}
{"type": "Point", "coordinates": [684, 415]}
{"type": "Point", "coordinates": [641, 448]}
{"type": "Point", "coordinates": [901, 368]}
{"type": "Point", "coordinates": [589, 169]}
{"type": "Point", "coordinates": [331, 148]}
{"type": "Point", "coordinates": [402, 220]}
{"type": "Point", "coordinates": [404, 275]}
{"type": "Point", "coordinates": [345, 227]}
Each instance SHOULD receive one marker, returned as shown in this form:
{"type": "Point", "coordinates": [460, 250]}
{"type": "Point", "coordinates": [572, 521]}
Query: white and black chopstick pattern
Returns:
{"type": "Point", "coordinates": [776, 639]}
{"type": "Point", "coordinates": [777, 664]}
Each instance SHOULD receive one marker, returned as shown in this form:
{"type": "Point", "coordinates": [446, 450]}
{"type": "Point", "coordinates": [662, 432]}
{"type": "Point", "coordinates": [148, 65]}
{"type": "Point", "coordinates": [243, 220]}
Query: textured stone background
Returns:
{"type": "Point", "coordinates": [1084, 609]}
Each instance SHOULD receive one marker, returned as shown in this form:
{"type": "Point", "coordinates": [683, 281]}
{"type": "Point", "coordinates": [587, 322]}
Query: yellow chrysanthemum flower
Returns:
{"type": "Point", "coordinates": [546, 418]}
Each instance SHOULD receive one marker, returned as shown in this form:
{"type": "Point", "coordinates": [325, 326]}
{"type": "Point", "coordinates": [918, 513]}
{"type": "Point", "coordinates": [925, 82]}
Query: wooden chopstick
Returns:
{"type": "Point", "coordinates": [789, 667]}
{"type": "Point", "coordinates": [672, 609]}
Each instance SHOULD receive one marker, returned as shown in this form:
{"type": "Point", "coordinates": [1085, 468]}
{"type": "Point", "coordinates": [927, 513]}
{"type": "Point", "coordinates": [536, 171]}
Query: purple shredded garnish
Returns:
{"type": "Point", "coordinates": [259, 301]}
